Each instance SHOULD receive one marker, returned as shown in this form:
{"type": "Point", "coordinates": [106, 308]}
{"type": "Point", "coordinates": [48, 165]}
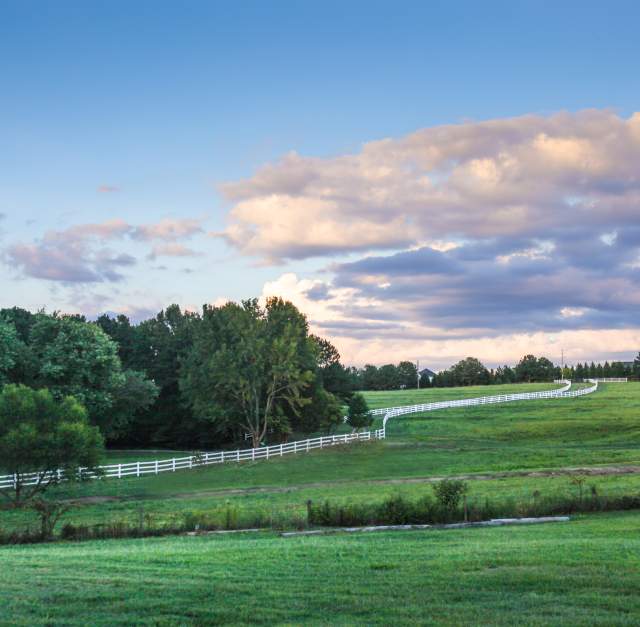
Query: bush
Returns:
{"type": "Point", "coordinates": [398, 510]}
{"type": "Point", "coordinates": [449, 492]}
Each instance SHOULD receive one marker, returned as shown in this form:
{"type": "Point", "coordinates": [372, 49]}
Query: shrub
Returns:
{"type": "Point", "coordinates": [449, 492]}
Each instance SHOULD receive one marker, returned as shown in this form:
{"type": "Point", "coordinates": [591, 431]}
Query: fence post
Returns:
{"type": "Point", "coordinates": [281, 450]}
{"type": "Point", "coordinates": [173, 465]}
{"type": "Point", "coordinates": [238, 455]}
{"type": "Point", "coordinates": [156, 466]}
{"type": "Point", "coordinates": [119, 471]}
{"type": "Point", "coordinates": [137, 469]}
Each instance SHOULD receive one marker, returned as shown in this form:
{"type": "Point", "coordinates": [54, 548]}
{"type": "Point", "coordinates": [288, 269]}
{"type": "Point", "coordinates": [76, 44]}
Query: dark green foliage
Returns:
{"type": "Point", "coordinates": [449, 492]}
{"type": "Point", "coordinates": [157, 347]}
{"type": "Point", "coordinates": [399, 510]}
{"type": "Point", "coordinates": [9, 349]}
{"type": "Point", "coordinates": [250, 368]}
{"type": "Point", "coordinates": [39, 434]}
{"type": "Point", "coordinates": [358, 413]}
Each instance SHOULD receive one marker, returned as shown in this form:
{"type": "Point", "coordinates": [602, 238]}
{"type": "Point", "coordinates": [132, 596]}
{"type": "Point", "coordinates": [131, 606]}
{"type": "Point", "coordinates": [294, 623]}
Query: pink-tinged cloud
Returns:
{"type": "Point", "coordinates": [384, 328]}
{"type": "Point", "coordinates": [83, 253]}
{"type": "Point", "coordinates": [530, 176]}
{"type": "Point", "coordinates": [168, 229]}
{"type": "Point", "coordinates": [172, 249]}
{"type": "Point", "coordinates": [108, 189]}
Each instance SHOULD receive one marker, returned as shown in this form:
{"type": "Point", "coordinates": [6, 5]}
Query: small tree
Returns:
{"type": "Point", "coordinates": [43, 441]}
{"type": "Point", "coordinates": [449, 492]}
{"type": "Point", "coordinates": [358, 415]}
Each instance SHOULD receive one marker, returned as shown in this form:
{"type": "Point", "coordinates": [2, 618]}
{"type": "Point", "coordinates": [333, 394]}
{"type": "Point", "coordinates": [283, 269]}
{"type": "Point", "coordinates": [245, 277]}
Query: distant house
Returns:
{"type": "Point", "coordinates": [426, 373]}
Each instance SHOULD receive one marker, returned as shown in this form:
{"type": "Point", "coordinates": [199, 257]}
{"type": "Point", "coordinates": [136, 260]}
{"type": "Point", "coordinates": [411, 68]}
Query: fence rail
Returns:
{"type": "Point", "coordinates": [138, 469]}
{"type": "Point", "coordinates": [154, 467]}
{"type": "Point", "coordinates": [563, 392]}
{"type": "Point", "coordinates": [609, 380]}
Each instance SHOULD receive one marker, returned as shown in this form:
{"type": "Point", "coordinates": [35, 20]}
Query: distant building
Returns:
{"type": "Point", "coordinates": [426, 373]}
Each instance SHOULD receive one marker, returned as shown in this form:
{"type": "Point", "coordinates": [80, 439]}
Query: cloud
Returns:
{"type": "Point", "coordinates": [107, 189]}
{"type": "Point", "coordinates": [80, 254]}
{"type": "Point", "coordinates": [367, 329]}
{"type": "Point", "coordinates": [526, 177]}
{"type": "Point", "coordinates": [73, 263]}
{"type": "Point", "coordinates": [168, 230]}
{"type": "Point", "coordinates": [172, 249]}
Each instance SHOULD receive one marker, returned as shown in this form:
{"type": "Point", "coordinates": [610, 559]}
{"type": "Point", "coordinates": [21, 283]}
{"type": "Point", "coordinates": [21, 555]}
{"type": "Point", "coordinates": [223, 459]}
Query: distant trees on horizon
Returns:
{"type": "Point", "coordinates": [471, 371]}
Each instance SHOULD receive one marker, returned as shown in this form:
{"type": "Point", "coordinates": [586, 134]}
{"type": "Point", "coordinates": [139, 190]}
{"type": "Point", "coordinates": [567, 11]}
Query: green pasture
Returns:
{"type": "Point", "coordinates": [602, 429]}
{"type": "Point", "coordinates": [584, 572]}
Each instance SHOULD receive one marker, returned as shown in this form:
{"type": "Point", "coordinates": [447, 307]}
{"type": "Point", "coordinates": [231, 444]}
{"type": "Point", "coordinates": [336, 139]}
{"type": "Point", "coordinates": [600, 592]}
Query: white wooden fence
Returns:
{"type": "Point", "coordinates": [609, 380]}
{"type": "Point", "coordinates": [563, 392]}
{"type": "Point", "coordinates": [138, 469]}
{"type": "Point", "coordinates": [154, 467]}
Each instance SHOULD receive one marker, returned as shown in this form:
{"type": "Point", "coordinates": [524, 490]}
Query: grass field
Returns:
{"type": "Point", "coordinates": [585, 572]}
{"type": "Point", "coordinates": [602, 429]}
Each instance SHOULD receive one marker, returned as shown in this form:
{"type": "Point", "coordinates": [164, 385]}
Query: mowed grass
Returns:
{"type": "Point", "coordinates": [585, 572]}
{"type": "Point", "coordinates": [602, 429]}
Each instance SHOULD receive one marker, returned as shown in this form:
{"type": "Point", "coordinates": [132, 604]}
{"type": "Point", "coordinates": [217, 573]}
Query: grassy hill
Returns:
{"type": "Point", "coordinates": [496, 446]}
{"type": "Point", "coordinates": [582, 572]}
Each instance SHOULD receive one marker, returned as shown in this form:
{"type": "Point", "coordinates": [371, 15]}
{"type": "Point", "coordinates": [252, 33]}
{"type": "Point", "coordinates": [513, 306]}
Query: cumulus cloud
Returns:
{"type": "Point", "coordinates": [488, 234]}
{"type": "Point", "coordinates": [522, 177]}
{"type": "Point", "coordinates": [84, 253]}
{"type": "Point", "coordinates": [367, 329]}
{"type": "Point", "coordinates": [75, 255]}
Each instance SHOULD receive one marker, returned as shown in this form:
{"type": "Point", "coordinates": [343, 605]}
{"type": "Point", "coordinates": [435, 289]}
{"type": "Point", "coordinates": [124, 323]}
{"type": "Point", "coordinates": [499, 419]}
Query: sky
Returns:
{"type": "Point", "coordinates": [425, 180]}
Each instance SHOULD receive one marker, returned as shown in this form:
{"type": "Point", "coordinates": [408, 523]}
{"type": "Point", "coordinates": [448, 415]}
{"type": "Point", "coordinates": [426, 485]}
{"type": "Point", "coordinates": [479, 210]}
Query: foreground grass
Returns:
{"type": "Point", "coordinates": [583, 572]}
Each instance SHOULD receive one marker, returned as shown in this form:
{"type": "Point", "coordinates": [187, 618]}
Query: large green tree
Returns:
{"type": "Point", "coordinates": [71, 357]}
{"type": "Point", "coordinates": [158, 348]}
{"type": "Point", "coordinates": [248, 366]}
{"type": "Point", "coordinates": [43, 440]}
{"type": "Point", "coordinates": [407, 374]}
{"type": "Point", "coordinates": [78, 359]}
{"type": "Point", "coordinates": [331, 374]}
{"type": "Point", "coordinates": [470, 371]}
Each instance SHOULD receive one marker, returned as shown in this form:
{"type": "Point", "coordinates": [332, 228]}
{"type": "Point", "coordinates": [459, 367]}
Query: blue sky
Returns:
{"type": "Point", "coordinates": [173, 122]}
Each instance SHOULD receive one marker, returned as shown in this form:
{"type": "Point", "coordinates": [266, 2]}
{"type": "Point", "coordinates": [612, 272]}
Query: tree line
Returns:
{"type": "Point", "coordinates": [471, 371]}
{"type": "Point", "coordinates": [182, 379]}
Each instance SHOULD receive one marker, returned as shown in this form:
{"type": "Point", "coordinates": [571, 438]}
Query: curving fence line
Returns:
{"type": "Point", "coordinates": [563, 392]}
{"type": "Point", "coordinates": [138, 469]}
